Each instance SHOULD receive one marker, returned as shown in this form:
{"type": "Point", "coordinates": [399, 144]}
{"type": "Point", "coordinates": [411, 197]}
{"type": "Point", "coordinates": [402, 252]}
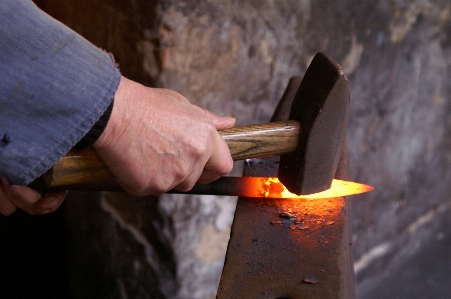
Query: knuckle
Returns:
{"type": "Point", "coordinates": [186, 185]}
{"type": "Point", "coordinates": [136, 191]}
{"type": "Point", "coordinates": [154, 187]}
{"type": "Point", "coordinates": [135, 187]}
{"type": "Point", "coordinates": [184, 188]}
{"type": "Point", "coordinates": [181, 172]}
{"type": "Point", "coordinates": [7, 210]}
{"type": "Point", "coordinates": [229, 166]}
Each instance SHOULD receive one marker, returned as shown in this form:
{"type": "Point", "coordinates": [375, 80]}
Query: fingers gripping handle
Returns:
{"type": "Point", "coordinates": [246, 142]}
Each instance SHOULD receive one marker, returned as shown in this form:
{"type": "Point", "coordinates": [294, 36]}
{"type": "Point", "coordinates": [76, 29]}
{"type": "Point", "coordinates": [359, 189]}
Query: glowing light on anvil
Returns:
{"type": "Point", "coordinates": [273, 188]}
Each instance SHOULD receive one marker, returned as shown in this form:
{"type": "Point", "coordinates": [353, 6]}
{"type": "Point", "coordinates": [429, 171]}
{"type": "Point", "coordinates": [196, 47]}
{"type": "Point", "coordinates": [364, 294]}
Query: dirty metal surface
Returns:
{"type": "Point", "coordinates": [288, 248]}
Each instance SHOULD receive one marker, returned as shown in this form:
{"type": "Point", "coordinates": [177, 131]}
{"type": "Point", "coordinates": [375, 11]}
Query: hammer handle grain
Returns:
{"type": "Point", "coordinates": [256, 141]}
{"type": "Point", "coordinates": [246, 142]}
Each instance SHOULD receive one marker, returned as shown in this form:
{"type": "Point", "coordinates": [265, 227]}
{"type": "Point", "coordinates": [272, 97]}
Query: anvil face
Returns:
{"type": "Point", "coordinates": [288, 248]}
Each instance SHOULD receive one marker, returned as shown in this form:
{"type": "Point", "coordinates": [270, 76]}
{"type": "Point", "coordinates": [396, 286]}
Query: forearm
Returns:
{"type": "Point", "coordinates": [54, 86]}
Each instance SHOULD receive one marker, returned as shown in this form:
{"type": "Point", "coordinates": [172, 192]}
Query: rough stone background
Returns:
{"type": "Point", "coordinates": [235, 58]}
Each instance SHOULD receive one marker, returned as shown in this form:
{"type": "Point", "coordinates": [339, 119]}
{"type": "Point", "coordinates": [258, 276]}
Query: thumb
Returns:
{"type": "Point", "coordinates": [220, 122]}
{"type": "Point", "coordinates": [223, 122]}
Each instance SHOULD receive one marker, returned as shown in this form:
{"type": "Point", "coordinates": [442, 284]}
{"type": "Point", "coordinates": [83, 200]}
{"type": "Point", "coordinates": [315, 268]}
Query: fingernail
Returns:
{"type": "Point", "coordinates": [42, 211]}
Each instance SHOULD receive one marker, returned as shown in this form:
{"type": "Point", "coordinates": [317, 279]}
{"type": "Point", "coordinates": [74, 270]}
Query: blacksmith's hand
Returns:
{"type": "Point", "coordinates": [156, 140]}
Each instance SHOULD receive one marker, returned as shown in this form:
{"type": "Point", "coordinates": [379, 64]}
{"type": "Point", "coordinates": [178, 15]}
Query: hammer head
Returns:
{"type": "Point", "coordinates": [321, 106]}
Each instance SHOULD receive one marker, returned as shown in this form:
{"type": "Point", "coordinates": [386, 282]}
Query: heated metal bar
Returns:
{"type": "Point", "coordinates": [231, 186]}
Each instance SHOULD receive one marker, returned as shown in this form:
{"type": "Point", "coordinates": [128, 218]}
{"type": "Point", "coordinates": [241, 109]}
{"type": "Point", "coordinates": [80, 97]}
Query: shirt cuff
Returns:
{"type": "Point", "coordinates": [91, 137]}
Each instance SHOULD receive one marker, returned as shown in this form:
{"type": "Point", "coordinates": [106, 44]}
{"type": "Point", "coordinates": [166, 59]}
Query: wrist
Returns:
{"type": "Point", "coordinates": [116, 120]}
{"type": "Point", "coordinates": [96, 131]}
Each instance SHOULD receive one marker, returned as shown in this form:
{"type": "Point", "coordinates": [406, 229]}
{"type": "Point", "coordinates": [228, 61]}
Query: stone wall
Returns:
{"type": "Point", "coordinates": [235, 58]}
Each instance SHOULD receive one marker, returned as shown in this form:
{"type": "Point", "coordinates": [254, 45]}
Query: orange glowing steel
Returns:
{"type": "Point", "coordinates": [273, 188]}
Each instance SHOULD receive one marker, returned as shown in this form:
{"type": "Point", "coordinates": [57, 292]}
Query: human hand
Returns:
{"type": "Point", "coordinates": [155, 140]}
{"type": "Point", "coordinates": [27, 199]}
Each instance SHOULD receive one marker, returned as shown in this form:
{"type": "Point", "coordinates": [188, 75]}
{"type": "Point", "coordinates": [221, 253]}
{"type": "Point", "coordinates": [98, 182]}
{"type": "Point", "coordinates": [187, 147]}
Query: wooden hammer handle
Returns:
{"type": "Point", "coordinates": [254, 141]}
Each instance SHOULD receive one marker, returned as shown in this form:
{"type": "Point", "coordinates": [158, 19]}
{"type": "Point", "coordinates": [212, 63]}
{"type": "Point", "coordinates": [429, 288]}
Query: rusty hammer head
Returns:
{"type": "Point", "coordinates": [321, 106]}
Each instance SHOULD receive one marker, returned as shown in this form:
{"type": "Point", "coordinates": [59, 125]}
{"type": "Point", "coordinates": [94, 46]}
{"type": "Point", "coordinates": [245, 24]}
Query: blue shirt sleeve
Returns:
{"type": "Point", "coordinates": [54, 86]}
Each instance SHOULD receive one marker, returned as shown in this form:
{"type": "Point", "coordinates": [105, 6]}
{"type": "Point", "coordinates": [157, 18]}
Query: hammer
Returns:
{"type": "Point", "coordinates": [309, 143]}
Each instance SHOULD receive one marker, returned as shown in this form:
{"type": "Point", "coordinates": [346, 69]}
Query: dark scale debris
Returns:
{"type": "Point", "coordinates": [289, 220]}
{"type": "Point", "coordinates": [303, 226]}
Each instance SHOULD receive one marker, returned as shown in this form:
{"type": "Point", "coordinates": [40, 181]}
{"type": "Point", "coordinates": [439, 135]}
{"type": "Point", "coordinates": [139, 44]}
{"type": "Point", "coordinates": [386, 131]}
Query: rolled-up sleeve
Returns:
{"type": "Point", "coordinates": [54, 86]}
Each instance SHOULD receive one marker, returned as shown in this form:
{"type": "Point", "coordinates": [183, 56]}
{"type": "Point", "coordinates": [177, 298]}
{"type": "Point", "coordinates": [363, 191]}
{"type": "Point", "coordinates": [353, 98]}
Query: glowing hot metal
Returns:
{"type": "Point", "coordinates": [269, 187]}
{"type": "Point", "coordinates": [273, 188]}
{"type": "Point", "coordinates": [261, 187]}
